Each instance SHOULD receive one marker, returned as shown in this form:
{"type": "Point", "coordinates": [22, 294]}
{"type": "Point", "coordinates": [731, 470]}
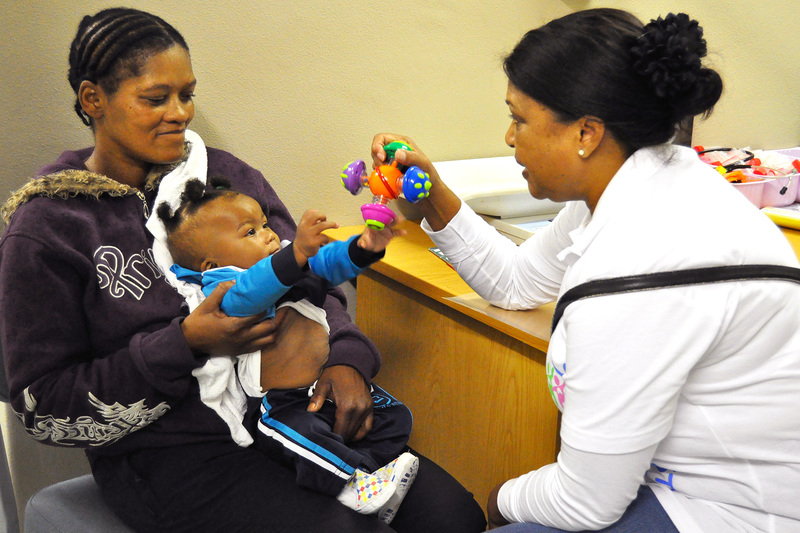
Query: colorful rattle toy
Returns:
{"type": "Point", "coordinates": [386, 182]}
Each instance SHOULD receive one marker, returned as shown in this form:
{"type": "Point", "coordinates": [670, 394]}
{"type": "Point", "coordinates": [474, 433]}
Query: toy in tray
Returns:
{"type": "Point", "coordinates": [387, 182]}
{"type": "Point", "coordinates": [766, 178]}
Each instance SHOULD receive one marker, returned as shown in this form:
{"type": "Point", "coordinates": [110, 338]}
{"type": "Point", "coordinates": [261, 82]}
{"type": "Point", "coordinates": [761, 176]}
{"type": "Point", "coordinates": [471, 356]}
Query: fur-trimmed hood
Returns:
{"type": "Point", "coordinates": [75, 182]}
{"type": "Point", "coordinates": [64, 184]}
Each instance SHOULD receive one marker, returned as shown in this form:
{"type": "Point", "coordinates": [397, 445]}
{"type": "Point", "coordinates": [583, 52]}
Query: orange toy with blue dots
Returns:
{"type": "Point", "coordinates": [387, 182]}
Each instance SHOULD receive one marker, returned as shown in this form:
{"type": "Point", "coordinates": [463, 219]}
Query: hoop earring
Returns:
{"type": "Point", "coordinates": [581, 152]}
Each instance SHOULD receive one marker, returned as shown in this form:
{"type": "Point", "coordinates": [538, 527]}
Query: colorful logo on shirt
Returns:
{"type": "Point", "coordinates": [382, 399]}
{"type": "Point", "coordinates": [662, 476]}
{"type": "Point", "coordinates": [556, 382]}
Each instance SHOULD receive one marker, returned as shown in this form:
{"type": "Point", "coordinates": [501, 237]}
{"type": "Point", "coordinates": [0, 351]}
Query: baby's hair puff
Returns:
{"type": "Point", "coordinates": [194, 196]}
{"type": "Point", "coordinates": [180, 234]}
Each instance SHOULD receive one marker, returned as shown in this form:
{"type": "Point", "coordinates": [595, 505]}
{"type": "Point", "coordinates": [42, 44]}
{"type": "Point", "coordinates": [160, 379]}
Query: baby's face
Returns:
{"type": "Point", "coordinates": [233, 231]}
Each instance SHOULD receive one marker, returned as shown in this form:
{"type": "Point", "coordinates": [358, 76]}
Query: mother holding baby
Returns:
{"type": "Point", "coordinates": [100, 351]}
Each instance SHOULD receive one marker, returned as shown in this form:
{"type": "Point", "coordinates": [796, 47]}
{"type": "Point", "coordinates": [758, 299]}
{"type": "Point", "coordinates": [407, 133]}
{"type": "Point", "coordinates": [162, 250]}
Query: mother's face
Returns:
{"type": "Point", "coordinates": [145, 119]}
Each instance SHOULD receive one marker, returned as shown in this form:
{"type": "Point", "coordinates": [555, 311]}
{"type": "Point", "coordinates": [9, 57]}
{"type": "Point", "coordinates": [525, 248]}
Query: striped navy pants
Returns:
{"type": "Point", "coordinates": [323, 461]}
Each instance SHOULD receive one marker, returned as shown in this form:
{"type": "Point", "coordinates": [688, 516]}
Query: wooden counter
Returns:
{"type": "Point", "coordinates": [472, 375]}
{"type": "Point", "coordinates": [793, 236]}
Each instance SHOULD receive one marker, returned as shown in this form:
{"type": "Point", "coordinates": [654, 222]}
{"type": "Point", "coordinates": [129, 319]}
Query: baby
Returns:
{"type": "Point", "coordinates": [218, 235]}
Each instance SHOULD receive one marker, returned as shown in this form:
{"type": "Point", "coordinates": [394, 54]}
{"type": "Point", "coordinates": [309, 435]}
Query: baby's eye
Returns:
{"type": "Point", "coordinates": [264, 225]}
{"type": "Point", "coordinates": [251, 232]}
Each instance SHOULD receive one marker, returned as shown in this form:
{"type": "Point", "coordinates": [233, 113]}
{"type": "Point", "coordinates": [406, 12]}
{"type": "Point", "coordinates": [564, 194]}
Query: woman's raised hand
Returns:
{"type": "Point", "coordinates": [415, 157]}
{"type": "Point", "coordinates": [441, 204]}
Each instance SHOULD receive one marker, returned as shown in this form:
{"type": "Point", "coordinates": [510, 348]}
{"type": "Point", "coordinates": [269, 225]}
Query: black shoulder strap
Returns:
{"type": "Point", "coordinates": [675, 278]}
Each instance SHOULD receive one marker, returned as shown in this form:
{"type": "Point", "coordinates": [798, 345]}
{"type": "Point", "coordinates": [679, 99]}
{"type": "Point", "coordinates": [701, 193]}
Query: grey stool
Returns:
{"type": "Point", "coordinates": [9, 521]}
{"type": "Point", "coordinates": [72, 506]}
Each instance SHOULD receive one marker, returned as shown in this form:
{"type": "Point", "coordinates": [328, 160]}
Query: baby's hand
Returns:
{"type": "Point", "coordinates": [309, 237]}
{"type": "Point", "coordinates": [375, 241]}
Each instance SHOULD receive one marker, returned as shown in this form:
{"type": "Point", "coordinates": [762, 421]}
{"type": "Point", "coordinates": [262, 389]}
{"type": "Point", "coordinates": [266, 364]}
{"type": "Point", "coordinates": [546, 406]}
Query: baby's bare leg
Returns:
{"type": "Point", "coordinates": [298, 354]}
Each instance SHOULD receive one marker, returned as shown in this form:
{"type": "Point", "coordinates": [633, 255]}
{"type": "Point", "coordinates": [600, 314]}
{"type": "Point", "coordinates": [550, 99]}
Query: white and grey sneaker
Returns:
{"type": "Point", "coordinates": [367, 493]}
{"type": "Point", "coordinates": [401, 472]}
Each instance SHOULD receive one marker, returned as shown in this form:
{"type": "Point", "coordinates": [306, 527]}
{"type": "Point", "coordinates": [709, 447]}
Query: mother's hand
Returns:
{"type": "Point", "coordinates": [208, 330]}
{"type": "Point", "coordinates": [346, 387]}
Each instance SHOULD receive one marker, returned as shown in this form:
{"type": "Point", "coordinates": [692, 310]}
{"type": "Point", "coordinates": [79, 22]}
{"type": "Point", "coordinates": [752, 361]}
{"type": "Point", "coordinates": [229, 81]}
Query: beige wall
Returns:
{"type": "Point", "coordinates": [753, 46]}
{"type": "Point", "coordinates": [297, 89]}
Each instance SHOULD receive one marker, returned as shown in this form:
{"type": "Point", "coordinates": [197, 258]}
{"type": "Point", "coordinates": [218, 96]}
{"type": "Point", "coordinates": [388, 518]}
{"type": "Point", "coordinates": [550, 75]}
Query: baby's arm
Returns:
{"type": "Point", "coordinates": [257, 288]}
{"type": "Point", "coordinates": [260, 286]}
{"type": "Point", "coordinates": [374, 240]}
{"type": "Point", "coordinates": [340, 261]}
{"type": "Point", "coordinates": [309, 236]}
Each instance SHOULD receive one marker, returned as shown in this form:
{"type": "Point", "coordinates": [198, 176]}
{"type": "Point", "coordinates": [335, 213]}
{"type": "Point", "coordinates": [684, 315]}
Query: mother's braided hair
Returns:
{"type": "Point", "coordinates": [112, 45]}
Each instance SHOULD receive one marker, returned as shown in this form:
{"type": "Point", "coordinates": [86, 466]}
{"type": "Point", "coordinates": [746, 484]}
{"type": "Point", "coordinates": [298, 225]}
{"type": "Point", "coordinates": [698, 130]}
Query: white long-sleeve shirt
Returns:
{"type": "Point", "coordinates": [695, 389]}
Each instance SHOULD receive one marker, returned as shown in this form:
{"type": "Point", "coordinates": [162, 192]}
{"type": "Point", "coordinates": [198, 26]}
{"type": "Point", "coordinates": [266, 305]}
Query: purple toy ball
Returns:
{"type": "Point", "coordinates": [352, 176]}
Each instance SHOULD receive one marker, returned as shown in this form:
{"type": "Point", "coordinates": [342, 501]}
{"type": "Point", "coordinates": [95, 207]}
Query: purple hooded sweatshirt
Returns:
{"type": "Point", "coordinates": [90, 329]}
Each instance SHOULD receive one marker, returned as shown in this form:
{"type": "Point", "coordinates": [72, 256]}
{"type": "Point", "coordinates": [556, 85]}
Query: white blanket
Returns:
{"type": "Point", "coordinates": [219, 386]}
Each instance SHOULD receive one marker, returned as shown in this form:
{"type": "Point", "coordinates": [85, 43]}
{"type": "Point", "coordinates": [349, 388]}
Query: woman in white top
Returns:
{"type": "Point", "coordinates": [679, 404]}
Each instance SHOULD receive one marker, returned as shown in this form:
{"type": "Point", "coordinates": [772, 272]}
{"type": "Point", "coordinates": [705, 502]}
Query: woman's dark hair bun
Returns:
{"type": "Point", "coordinates": [640, 80]}
{"type": "Point", "coordinates": [668, 56]}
